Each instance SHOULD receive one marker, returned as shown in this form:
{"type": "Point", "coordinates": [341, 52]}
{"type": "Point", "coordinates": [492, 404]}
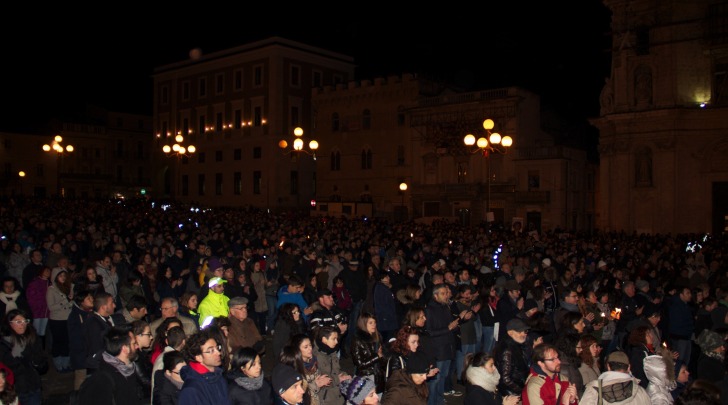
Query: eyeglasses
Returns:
{"type": "Point", "coordinates": [146, 334]}
{"type": "Point", "coordinates": [551, 359]}
{"type": "Point", "coordinates": [172, 307]}
{"type": "Point", "coordinates": [21, 321]}
{"type": "Point", "coordinates": [213, 349]}
{"type": "Point", "coordinates": [175, 372]}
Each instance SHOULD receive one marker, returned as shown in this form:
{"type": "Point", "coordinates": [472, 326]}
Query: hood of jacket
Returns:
{"type": "Point", "coordinates": [660, 371]}
{"type": "Point", "coordinates": [616, 386]}
{"type": "Point", "coordinates": [402, 297]}
{"type": "Point", "coordinates": [56, 271]}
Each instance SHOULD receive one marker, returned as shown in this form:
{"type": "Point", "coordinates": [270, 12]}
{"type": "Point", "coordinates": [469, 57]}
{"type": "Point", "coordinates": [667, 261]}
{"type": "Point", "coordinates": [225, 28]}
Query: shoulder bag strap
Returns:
{"type": "Point", "coordinates": [600, 400]}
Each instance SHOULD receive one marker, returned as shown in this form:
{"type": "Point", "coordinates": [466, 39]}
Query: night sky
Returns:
{"type": "Point", "coordinates": [57, 64]}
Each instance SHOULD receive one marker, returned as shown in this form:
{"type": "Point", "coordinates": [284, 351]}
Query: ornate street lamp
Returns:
{"type": "Point", "coordinates": [298, 143]}
{"type": "Point", "coordinates": [57, 147]}
{"type": "Point", "coordinates": [494, 143]}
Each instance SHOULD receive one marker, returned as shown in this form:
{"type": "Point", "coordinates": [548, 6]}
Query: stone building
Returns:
{"type": "Point", "coordinates": [663, 123]}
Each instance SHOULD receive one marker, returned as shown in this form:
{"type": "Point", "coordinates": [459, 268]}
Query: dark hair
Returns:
{"type": "Point", "coordinates": [193, 347]}
{"type": "Point", "coordinates": [478, 359]}
{"type": "Point", "coordinates": [185, 298]}
{"type": "Point", "coordinates": [80, 296]}
{"type": "Point", "coordinates": [100, 299]}
{"type": "Point", "coordinates": [242, 357]}
{"type": "Point", "coordinates": [700, 392]}
{"type": "Point", "coordinates": [135, 302]}
{"type": "Point", "coordinates": [638, 336]}
{"type": "Point", "coordinates": [291, 356]}
{"type": "Point", "coordinates": [171, 359]}
{"type": "Point", "coordinates": [161, 333]}
{"type": "Point", "coordinates": [26, 339]}
{"type": "Point", "coordinates": [285, 313]}
{"type": "Point", "coordinates": [294, 281]}
{"type": "Point", "coordinates": [325, 332]}
{"type": "Point", "coordinates": [115, 339]}
{"type": "Point", "coordinates": [361, 324]}
{"type": "Point", "coordinates": [569, 320]}
{"type": "Point", "coordinates": [134, 275]}
{"type": "Point", "coordinates": [175, 336]}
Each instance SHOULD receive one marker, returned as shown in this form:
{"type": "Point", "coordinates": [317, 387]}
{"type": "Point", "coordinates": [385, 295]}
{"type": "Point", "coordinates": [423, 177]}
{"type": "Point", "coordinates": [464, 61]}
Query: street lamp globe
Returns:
{"type": "Point", "coordinates": [46, 148]}
{"type": "Point", "coordinates": [191, 149]}
{"type": "Point", "coordinates": [403, 186]}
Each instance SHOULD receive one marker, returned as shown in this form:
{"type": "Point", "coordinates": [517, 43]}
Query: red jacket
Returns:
{"type": "Point", "coordinates": [541, 389]}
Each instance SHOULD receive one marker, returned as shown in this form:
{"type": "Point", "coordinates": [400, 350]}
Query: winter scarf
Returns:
{"type": "Point", "coordinates": [482, 378]}
{"type": "Point", "coordinates": [250, 384]}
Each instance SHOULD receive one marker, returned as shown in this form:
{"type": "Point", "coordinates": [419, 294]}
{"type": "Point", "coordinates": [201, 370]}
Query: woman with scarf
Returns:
{"type": "Point", "coordinates": [21, 351]}
{"type": "Point", "coordinates": [325, 351]}
{"type": "Point", "coordinates": [481, 378]}
{"type": "Point", "coordinates": [60, 302]}
{"type": "Point", "coordinates": [307, 365]}
{"type": "Point", "coordinates": [246, 385]}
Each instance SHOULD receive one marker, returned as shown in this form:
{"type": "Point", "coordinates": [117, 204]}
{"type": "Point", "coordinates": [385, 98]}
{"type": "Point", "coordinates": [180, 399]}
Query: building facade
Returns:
{"type": "Point", "coordinates": [234, 107]}
{"type": "Point", "coordinates": [663, 124]}
{"type": "Point", "coordinates": [110, 158]}
{"type": "Point", "coordinates": [378, 135]}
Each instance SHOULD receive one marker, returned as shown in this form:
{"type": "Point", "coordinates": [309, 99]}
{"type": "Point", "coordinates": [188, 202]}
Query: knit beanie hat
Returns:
{"type": "Point", "coordinates": [356, 389]}
{"type": "Point", "coordinates": [709, 340]}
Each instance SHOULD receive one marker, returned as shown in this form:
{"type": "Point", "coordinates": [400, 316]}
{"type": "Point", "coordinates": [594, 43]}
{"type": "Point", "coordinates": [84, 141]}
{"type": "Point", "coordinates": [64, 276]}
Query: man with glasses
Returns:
{"type": "Point", "coordinates": [243, 332]}
{"type": "Point", "coordinates": [570, 303]}
{"type": "Point", "coordinates": [203, 379]}
{"type": "Point", "coordinates": [115, 381]}
{"type": "Point", "coordinates": [545, 386]}
{"type": "Point", "coordinates": [170, 309]}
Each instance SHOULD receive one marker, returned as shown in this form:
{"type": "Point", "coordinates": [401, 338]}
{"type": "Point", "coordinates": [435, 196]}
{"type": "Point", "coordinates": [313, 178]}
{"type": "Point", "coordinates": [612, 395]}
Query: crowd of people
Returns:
{"type": "Point", "coordinates": [177, 304]}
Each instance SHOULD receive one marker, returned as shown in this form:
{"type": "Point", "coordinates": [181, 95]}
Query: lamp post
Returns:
{"type": "Point", "coordinates": [57, 146]}
{"type": "Point", "coordinates": [297, 146]}
{"type": "Point", "coordinates": [179, 151]}
{"type": "Point", "coordinates": [494, 143]}
{"type": "Point", "coordinates": [402, 189]}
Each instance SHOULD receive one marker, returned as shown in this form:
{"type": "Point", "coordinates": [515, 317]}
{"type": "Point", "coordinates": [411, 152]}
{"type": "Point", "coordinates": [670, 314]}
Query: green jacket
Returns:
{"type": "Point", "coordinates": [213, 305]}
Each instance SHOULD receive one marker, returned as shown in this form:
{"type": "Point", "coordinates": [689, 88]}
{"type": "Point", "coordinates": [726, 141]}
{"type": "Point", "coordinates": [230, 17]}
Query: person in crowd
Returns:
{"type": "Point", "coordinates": [616, 385]}
{"type": "Point", "coordinates": [215, 302]}
{"type": "Point", "coordinates": [567, 343]}
{"type": "Point", "coordinates": [17, 262]}
{"type": "Point", "coordinates": [135, 309]}
{"type": "Point", "coordinates": [300, 351]}
{"type": "Point", "coordinates": [681, 325]}
{"type": "Point", "coordinates": [60, 301]}
{"type": "Point", "coordinates": [545, 384]}
{"type": "Point", "coordinates": [11, 297]}
{"type": "Point", "coordinates": [96, 326]}
{"type": "Point", "coordinates": [259, 280]}
{"type": "Point", "coordinates": [367, 350]}
{"type": "Point", "coordinates": [175, 340]}
{"type": "Point", "coordinates": [712, 356]}
{"type": "Point", "coordinates": [508, 305]}
{"type": "Point", "coordinates": [440, 343]}
{"type": "Point", "coordinates": [341, 296]}
{"type": "Point", "coordinates": [481, 381]}
{"type": "Point", "coordinates": [243, 332]}
{"type": "Point", "coordinates": [660, 372]}
{"type": "Point", "coordinates": [34, 268]}
{"type": "Point", "coordinates": [289, 323]}
{"type": "Point", "coordinates": [407, 297]}
{"type": "Point", "coordinates": [359, 391]}
{"type": "Point", "coordinates": [83, 305]}
{"type": "Point", "coordinates": [89, 280]}
{"type": "Point", "coordinates": [109, 277]}
{"type": "Point", "coordinates": [385, 307]}
{"type": "Point", "coordinates": [188, 307]}
{"type": "Point", "coordinates": [203, 378]}
{"type": "Point", "coordinates": [511, 358]}
{"type": "Point", "coordinates": [170, 309]}
{"type": "Point", "coordinates": [355, 281]}
{"type": "Point", "coordinates": [325, 313]}
{"type": "Point", "coordinates": [407, 386]}
{"type": "Point", "coordinates": [310, 287]}
{"type": "Point", "coordinates": [167, 380]}
{"type": "Point", "coordinates": [468, 337]}
{"type": "Point", "coordinates": [134, 284]}
{"type": "Point", "coordinates": [287, 385]}
{"type": "Point", "coordinates": [272, 276]}
{"type": "Point", "coordinates": [160, 336]}
{"type": "Point", "coordinates": [22, 352]}
{"type": "Point", "coordinates": [219, 328]}
{"type": "Point", "coordinates": [589, 353]}
{"type": "Point", "coordinates": [489, 301]}
{"type": "Point", "coordinates": [406, 342]}
{"type": "Point", "coordinates": [292, 293]}
{"type": "Point", "coordinates": [114, 382]}
{"type": "Point", "coordinates": [8, 396]}
{"type": "Point", "coordinates": [168, 285]}
{"type": "Point", "coordinates": [246, 382]}
{"type": "Point", "coordinates": [142, 335]}
{"type": "Point", "coordinates": [325, 351]}
{"type": "Point", "coordinates": [641, 346]}
{"type": "Point", "coordinates": [36, 291]}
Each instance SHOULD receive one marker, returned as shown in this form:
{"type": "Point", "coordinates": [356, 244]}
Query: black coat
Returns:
{"type": "Point", "coordinates": [108, 386]}
{"type": "Point", "coordinates": [364, 354]}
{"type": "Point", "coordinates": [27, 378]}
{"type": "Point", "coordinates": [441, 341]}
{"type": "Point", "coordinates": [475, 394]}
{"type": "Point", "coordinates": [165, 392]}
{"type": "Point", "coordinates": [76, 340]}
{"type": "Point", "coordinates": [511, 359]}
{"type": "Point", "coordinates": [240, 396]}
{"type": "Point", "coordinates": [94, 330]}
